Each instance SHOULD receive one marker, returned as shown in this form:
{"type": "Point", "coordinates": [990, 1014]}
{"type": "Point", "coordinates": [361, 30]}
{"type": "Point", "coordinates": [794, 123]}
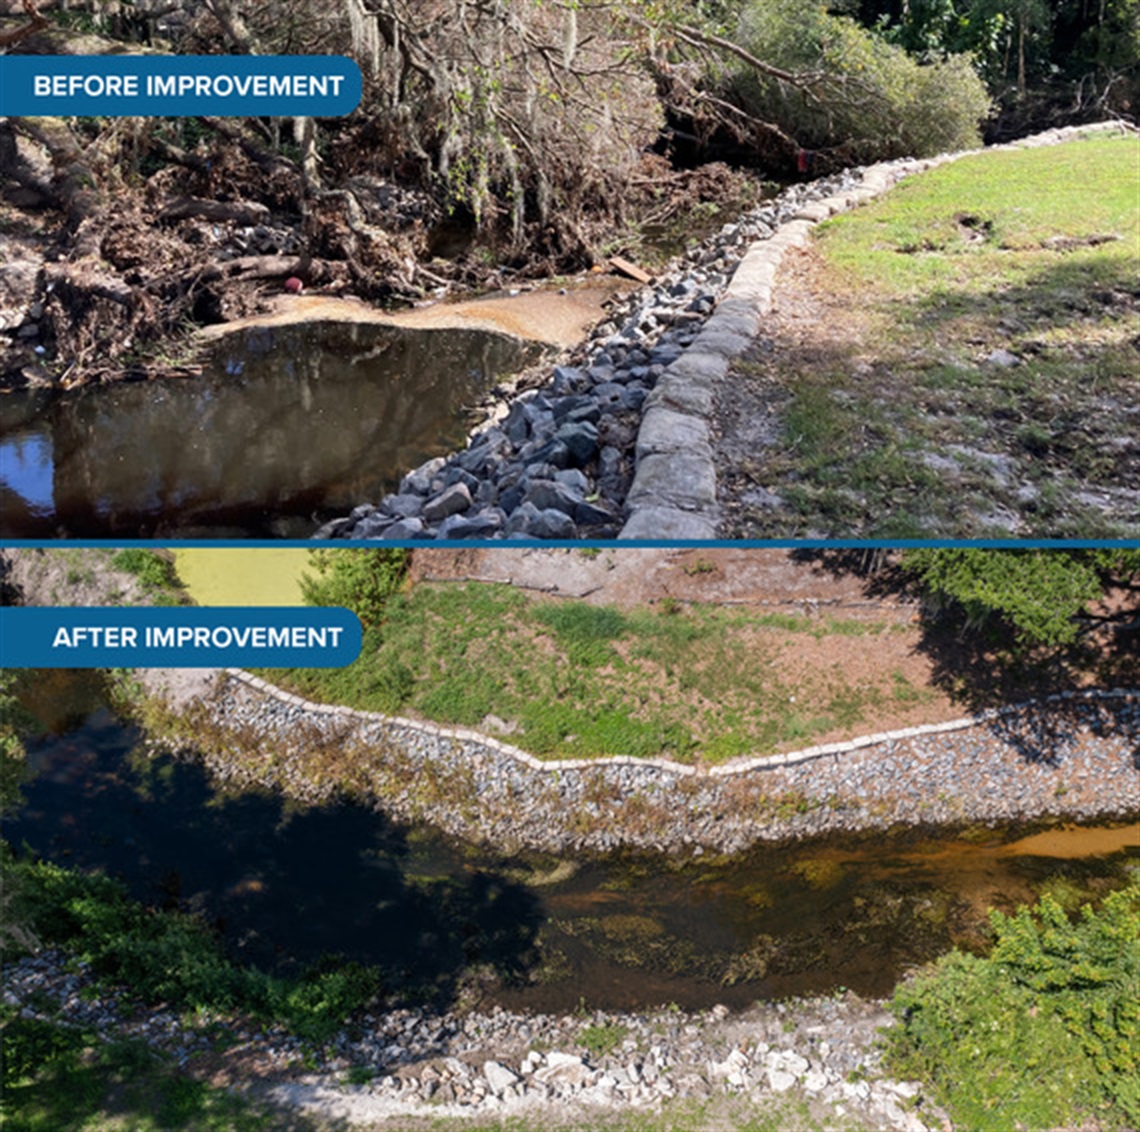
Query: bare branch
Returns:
{"type": "Point", "coordinates": [35, 23]}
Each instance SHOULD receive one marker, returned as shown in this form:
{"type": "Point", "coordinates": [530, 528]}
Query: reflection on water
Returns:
{"type": "Point", "coordinates": [287, 884]}
{"type": "Point", "coordinates": [287, 426]}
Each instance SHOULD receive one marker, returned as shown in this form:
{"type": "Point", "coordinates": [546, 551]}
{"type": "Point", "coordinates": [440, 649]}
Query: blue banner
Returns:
{"type": "Point", "coordinates": [171, 86]}
{"type": "Point", "coordinates": [178, 637]}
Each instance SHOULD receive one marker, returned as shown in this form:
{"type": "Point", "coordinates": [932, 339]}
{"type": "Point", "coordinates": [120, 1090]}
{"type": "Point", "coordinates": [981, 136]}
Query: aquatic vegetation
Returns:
{"type": "Point", "coordinates": [819, 872]}
{"type": "Point", "coordinates": [752, 965]}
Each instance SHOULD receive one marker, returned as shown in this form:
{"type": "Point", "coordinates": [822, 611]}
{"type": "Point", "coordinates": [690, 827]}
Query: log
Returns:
{"type": "Point", "coordinates": [82, 278]}
{"type": "Point", "coordinates": [258, 267]}
{"type": "Point", "coordinates": [630, 270]}
{"type": "Point", "coordinates": [247, 213]}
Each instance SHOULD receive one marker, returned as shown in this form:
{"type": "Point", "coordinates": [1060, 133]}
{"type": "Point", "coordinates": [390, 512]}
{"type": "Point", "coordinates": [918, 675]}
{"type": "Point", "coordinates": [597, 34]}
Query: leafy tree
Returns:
{"type": "Point", "coordinates": [824, 82]}
{"type": "Point", "coordinates": [1086, 56]}
{"type": "Point", "coordinates": [1038, 597]}
{"type": "Point", "coordinates": [360, 580]}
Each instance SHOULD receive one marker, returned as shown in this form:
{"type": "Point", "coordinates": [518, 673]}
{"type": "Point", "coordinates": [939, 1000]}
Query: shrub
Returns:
{"type": "Point", "coordinates": [169, 956]}
{"type": "Point", "coordinates": [360, 580]}
{"type": "Point", "coordinates": [1043, 1032]}
{"type": "Point", "coordinates": [602, 1038]}
{"type": "Point", "coordinates": [155, 573]}
{"type": "Point", "coordinates": [871, 97]}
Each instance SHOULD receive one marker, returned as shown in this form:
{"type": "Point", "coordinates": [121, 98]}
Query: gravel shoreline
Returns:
{"type": "Point", "coordinates": [408, 1063]}
{"type": "Point", "coordinates": [1066, 756]}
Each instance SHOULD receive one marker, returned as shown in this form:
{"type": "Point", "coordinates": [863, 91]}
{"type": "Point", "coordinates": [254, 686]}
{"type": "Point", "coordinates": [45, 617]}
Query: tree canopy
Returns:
{"type": "Point", "coordinates": [1040, 597]}
{"type": "Point", "coordinates": [528, 124]}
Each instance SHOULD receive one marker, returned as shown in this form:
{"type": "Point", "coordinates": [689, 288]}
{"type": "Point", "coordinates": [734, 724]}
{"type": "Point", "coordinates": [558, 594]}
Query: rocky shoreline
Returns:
{"type": "Point", "coordinates": [1066, 756]}
{"type": "Point", "coordinates": [563, 1069]}
{"type": "Point", "coordinates": [617, 444]}
{"type": "Point", "coordinates": [557, 462]}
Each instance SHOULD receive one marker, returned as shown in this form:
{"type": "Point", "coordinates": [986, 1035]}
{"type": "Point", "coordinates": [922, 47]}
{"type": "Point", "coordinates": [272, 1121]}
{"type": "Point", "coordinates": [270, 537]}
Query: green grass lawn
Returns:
{"type": "Point", "coordinates": [571, 679]}
{"type": "Point", "coordinates": [978, 373]}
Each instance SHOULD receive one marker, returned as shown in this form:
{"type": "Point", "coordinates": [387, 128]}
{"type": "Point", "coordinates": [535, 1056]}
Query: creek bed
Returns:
{"type": "Point", "coordinates": [286, 884]}
{"type": "Point", "coordinates": [287, 426]}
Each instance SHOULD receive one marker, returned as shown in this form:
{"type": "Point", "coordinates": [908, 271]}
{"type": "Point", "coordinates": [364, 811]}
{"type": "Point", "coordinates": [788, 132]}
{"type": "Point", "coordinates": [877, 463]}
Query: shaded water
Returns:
{"type": "Point", "coordinates": [287, 427]}
{"type": "Point", "coordinates": [286, 884]}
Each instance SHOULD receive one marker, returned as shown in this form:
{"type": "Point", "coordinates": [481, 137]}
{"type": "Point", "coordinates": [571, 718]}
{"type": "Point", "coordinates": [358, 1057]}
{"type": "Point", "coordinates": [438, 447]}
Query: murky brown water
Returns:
{"type": "Point", "coordinates": [288, 426]}
{"type": "Point", "coordinates": [287, 884]}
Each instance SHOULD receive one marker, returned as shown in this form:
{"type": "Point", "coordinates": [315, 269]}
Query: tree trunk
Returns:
{"type": "Point", "coordinates": [1021, 31]}
{"type": "Point", "coordinates": [74, 186]}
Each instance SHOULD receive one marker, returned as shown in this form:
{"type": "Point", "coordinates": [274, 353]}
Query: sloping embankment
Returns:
{"type": "Point", "coordinates": [1072, 755]}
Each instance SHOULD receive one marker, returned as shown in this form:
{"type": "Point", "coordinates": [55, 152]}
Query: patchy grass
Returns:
{"type": "Point", "coordinates": [969, 367]}
{"type": "Point", "coordinates": [566, 679]}
{"type": "Point", "coordinates": [58, 1077]}
{"type": "Point", "coordinates": [89, 576]}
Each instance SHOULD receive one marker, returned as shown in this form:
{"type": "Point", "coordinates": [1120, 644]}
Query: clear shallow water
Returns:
{"type": "Point", "coordinates": [288, 884]}
{"type": "Point", "coordinates": [286, 427]}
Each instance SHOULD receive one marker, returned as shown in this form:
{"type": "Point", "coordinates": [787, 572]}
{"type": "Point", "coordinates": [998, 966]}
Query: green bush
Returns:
{"type": "Point", "coordinates": [871, 97]}
{"type": "Point", "coordinates": [360, 580]}
{"type": "Point", "coordinates": [316, 1006]}
{"type": "Point", "coordinates": [29, 1044]}
{"type": "Point", "coordinates": [167, 956]}
{"type": "Point", "coordinates": [153, 571]}
{"type": "Point", "coordinates": [602, 1038]}
{"type": "Point", "coordinates": [1043, 1032]}
{"type": "Point", "coordinates": [1087, 973]}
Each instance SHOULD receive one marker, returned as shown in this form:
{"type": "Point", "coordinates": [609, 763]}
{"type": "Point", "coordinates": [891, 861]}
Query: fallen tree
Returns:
{"type": "Point", "coordinates": [524, 124]}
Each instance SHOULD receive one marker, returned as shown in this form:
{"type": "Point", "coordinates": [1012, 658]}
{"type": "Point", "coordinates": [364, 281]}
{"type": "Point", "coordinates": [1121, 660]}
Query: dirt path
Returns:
{"type": "Point", "coordinates": [774, 579]}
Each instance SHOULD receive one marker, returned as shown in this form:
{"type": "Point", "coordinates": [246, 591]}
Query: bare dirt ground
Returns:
{"type": "Point", "coordinates": [555, 317]}
{"type": "Point", "coordinates": [770, 579]}
{"type": "Point", "coordinates": [808, 326]}
{"type": "Point", "coordinates": [828, 430]}
{"type": "Point", "coordinates": [73, 576]}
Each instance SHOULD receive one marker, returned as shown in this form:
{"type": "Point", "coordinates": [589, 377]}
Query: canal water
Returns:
{"type": "Point", "coordinates": [268, 575]}
{"type": "Point", "coordinates": [287, 426]}
{"type": "Point", "coordinates": [287, 885]}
